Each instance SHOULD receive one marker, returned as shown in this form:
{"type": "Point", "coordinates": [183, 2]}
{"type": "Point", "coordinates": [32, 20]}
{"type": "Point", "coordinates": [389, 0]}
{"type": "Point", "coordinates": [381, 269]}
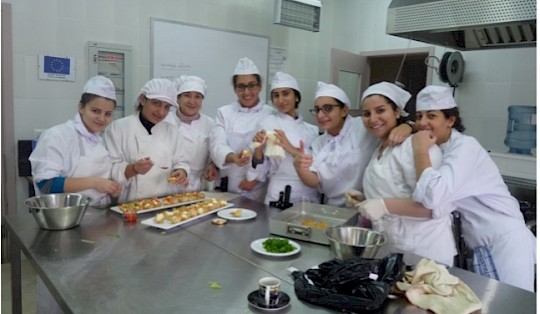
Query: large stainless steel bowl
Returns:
{"type": "Point", "coordinates": [349, 242]}
{"type": "Point", "coordinates": [58, 211]}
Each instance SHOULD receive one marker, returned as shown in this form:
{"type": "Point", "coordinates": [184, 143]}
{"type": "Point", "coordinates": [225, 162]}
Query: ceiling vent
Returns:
{"type": "Point", "coordinates": [465, 24]}
{"type": "Point", "coordinates": [304, 14]}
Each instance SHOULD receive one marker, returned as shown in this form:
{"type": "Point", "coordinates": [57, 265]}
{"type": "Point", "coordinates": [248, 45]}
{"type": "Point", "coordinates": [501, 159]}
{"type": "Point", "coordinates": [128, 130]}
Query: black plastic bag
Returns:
{"type": "Point", "coordinates": [350, 285]}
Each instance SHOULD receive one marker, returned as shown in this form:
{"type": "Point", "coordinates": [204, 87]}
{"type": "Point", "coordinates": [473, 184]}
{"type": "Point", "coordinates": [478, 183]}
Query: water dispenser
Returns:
{"type": "Point", "coordinates": [521, 130]}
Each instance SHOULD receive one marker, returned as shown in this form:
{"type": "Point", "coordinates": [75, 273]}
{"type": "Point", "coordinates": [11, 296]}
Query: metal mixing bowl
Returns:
{"type": "Point", "coordinates": [58, 211]}
{"type": "Point", "coordinates": [348, 242]}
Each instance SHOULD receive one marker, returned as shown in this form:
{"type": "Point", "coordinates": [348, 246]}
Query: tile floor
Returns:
{"type": "Point", "coordinates": [28, 288]}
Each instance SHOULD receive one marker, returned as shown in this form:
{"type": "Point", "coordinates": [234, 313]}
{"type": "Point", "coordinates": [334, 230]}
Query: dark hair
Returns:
{"type": "Point", "coordinates": [257, 77]}
{"type": "Point", "coordinates": [87, 97]}
{"type": "Point", "coordinates": [454, 112]}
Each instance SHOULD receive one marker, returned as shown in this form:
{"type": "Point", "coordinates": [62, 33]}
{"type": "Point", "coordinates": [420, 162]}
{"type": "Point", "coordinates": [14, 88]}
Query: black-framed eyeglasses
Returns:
{"type": "Point", "coordinates": [242, 87]}
{"type": "Point", "coordinates": [325, 109]}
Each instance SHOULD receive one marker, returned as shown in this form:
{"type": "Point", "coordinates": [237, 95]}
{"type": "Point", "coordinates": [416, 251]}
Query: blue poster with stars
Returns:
{"type": "Point", "coordinates": [56, 65]}
{"type": "Point", "coordinates": [56, 68]}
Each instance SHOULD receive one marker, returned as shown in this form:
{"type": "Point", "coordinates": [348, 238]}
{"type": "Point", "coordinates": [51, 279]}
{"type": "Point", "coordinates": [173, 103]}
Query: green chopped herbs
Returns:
{"type": "Point", "coordinates": [214, 285]}
{"type": "Point", "coordinates": [113, 234]}
{"type": "Point", "coordinates": [275, 245]}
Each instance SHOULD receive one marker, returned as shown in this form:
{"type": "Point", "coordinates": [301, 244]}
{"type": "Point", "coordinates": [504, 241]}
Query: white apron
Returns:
{"type": "Point", "coordinates": [94, 162]}
{"type": "Point", "coordinates": [196, 145]}
{"type": "Point", "coordinates": [154, 182]}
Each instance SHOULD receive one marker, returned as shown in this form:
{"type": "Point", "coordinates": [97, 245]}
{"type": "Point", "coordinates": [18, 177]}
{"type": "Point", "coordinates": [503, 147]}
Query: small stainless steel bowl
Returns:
{"type": "Point", "coordinates": [349, 242]}
{"type": "Point", "coordinates": [58, 211]}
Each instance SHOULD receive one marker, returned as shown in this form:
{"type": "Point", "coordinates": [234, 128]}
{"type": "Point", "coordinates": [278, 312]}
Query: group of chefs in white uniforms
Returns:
{"type": "Point", "coordinates": [469, 181]}
{"type": "Point", "coordinates": [288, 128]}
{"type": "Point", "coordinates": [145, 150]}
{"type": "Point", "coordinates": [236, 125]}
{"type": "Point", "coordinates": [391, 174]}
{"type": "Point", "coordinates": [71, 157]}
{"type": "Point", "coordinates": [195, 127]}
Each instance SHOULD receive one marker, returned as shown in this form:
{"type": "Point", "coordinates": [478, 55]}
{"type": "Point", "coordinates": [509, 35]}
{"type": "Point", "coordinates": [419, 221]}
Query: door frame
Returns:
{"type": "Point", "coordinates": [360, 64]}
{"type": "Point", "coordinates": [9, 165]}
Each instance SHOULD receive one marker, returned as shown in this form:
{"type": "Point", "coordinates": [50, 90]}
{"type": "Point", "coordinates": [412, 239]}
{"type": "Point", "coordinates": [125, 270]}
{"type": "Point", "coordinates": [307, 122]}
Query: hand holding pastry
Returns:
{"type": "Point", "coordinates": [179, 176]}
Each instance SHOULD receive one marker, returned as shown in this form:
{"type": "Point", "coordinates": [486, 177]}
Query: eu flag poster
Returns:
{"type": "Point", "coordinates": [56, 68]}
{"type": "Point", "coordinates": [57, 65]}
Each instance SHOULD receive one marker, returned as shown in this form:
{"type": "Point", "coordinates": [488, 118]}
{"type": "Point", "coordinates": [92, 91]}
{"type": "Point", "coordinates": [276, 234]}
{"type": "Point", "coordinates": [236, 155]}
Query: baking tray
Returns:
{"type": "Point", "coordinates": [308, 221]}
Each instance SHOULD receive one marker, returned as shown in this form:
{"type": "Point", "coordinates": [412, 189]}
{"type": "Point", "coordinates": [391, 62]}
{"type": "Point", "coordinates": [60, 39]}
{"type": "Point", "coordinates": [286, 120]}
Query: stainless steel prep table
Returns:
{"type": "Point", "coordinates": [120, 268]}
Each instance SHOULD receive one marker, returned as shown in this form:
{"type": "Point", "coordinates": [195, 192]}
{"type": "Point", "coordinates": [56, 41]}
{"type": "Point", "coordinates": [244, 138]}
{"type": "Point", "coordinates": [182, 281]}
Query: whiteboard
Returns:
{"type": "Point", "coordinates": [187, 49]}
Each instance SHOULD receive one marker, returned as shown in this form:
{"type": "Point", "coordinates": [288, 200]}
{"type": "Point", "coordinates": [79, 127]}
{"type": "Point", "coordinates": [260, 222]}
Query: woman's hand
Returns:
{"type": "Point", "coordinates": [422, 141]}
{"type": "Point", "coordinates": [107, 186]}
{"type": "Point", "coordinates": [283, 141]}
{"type": "Point", "coordinates": [181, 177]}
{"type": "Point", "coordinates": [211, 172]}
{"type": "Point", "coordinates": [142, 166]}
{"type": "Point", "coordinates": [247, 185]}
{"type": "Point", "coordinates": [398, 134]}
{"type": "Point", "coordinates": [302, 161]}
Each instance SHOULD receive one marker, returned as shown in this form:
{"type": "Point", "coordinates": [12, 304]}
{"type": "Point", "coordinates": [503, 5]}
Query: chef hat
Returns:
{"type": "Point", "coordinates": [190, 83]}
{"type": "Point", "coordinates": [101, 86]}
{"type": "Point", "coordinates": [245, 66]}
{"type": "Point", "coordinates": [161, 89]}
{"type": "Point", "coordinates": [434, 97]}
{"type": "Point", "coordinates": [395, 93]}
{"type": "Point", "coordinates": [284, 80]}
{"type": "Point", "coordinates": [331, 90]}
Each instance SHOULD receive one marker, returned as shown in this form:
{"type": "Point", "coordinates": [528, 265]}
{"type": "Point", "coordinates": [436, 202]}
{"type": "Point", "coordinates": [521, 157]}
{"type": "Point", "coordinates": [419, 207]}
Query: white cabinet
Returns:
{"type": "Point", "coordinates": [115, 62]}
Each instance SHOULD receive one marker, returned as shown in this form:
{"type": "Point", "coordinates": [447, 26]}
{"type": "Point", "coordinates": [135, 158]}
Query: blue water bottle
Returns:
{"type": "Point", "coordinates": [521, 130]}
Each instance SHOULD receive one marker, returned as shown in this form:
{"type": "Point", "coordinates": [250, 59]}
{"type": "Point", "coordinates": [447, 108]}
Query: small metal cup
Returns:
{"type": "Point", "coordinates": [269, 291]}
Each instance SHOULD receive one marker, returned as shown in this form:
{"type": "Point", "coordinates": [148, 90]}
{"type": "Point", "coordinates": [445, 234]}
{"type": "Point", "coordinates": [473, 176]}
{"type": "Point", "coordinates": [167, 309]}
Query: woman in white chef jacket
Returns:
{"type": "Point", "coordinates": [469, 180]}
{"type": "Point", "coordinates": [195, 128]}
{"type": "Point", "coordinates": [146, 150]}
{"type": "Point", "coordinates": [289, 129]}
{"type": "Point", "coordinates": [236, 125]}
{"type": "Point", "coordinates": [390, 177]}
{"type": "Point", "coordinates": [71, 156]}
{"type": "Point", "coordinates": [336, 161]}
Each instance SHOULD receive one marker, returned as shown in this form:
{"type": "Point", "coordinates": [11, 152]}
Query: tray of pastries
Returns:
{"type": "Point", "coordinates": [151, 204]}
{"type": "Point", "coordinates": [177, 216]}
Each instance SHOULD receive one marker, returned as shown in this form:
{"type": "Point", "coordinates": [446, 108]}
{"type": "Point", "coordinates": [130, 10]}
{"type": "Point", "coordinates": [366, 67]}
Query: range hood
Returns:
{"type": "Point", "coordinates": [465, 24]}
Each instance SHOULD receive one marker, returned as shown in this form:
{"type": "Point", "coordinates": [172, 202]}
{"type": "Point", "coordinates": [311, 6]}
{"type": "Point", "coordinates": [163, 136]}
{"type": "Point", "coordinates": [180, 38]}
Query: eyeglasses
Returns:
{"type": "Point", "coordinates": [325, 109]}
{"type": "Point", "coordinates": [242, 87]}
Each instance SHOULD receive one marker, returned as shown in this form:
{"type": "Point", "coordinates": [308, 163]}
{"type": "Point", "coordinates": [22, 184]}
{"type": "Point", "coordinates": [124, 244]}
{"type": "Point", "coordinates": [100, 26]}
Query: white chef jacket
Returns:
{"type": "Point", "coordinates": [196, 141]}
{"type": "Point", "coordinates": [282, 172]}
{"type": "Point", "coordinates": [128, 141]}
{"type": "Point", "coordinates": [234, 131]}
{"type": "Point", "coordinates": [60, 151]}
{"type": "Point", "coordinates": [393, 175]}
{"type": "Point", "coordinates": [340, 161]}
{"type": "Point", "coordinates": [469, 179]}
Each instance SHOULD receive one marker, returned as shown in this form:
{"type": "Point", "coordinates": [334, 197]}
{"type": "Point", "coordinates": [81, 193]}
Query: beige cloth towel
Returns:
{"type": "Point", "coordinates": [431, 287]}
{"type": "Point", "coordinates": [272, 149]}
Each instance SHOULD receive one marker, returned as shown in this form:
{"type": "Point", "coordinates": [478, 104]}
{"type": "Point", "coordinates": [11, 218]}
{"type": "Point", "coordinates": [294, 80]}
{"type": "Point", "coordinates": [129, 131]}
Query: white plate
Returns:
{"type": "Point", "coordinates": [118, 210]}
{"type": "Point", "coordinates": [167, 225]}
{"type": "Point", "coordinates": [246, 214]}
{"type": "Point", "coordinates": [258, 247]}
